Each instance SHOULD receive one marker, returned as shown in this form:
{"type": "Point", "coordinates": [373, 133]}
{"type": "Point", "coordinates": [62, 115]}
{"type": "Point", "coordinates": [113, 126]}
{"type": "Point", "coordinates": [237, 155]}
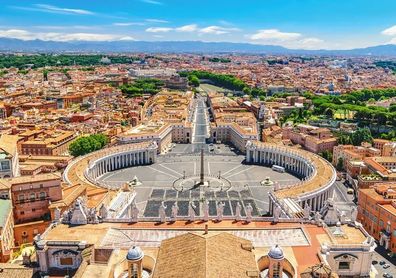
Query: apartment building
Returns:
{"type": "Point", "coordinates": [9, 161]}
{"type": "Point", "coordinates": [377, 213]}
{"type": "Point", "coordinates": [31, 196]}
{"type": "Point", "coordinates": [6, 230]}
{"type": "Point", "coordinates": [159, 132]}
{"type": "Point", "coordinates": [52, 142]}
{"type": "Point", "coordinates": [313, 139]}
{"type": "Point", "coordinates": [232, 123]}
{"type": "Point", "coordinates": [349, 153]}
{"type": "Point", "coordinates": [388, 148]}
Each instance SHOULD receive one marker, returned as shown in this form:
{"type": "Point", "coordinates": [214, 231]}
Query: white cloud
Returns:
{"type": "Point", "coordinates": [62, 37]}
{"type": "Point", "coordinates": [286, 39]}
{"type": "Point", "coordinates": [274, 34]}
{"type": "Point", "coordinates": [391, 31]}
{"type": "Point", "coordinates": [154, 20]}
{"type": "Point", "coordinates": [126, 38]}
{"type": "Point", "coordinates": [158, 29]}
{"type": "Point", "coordinates": [217, 30]}
{"type": "Point", "coordinates": [55, 9]}
{"type": "Point", "coordinates": [310, 43]}
{"type": "Point", "coordinates": [187, 28]}
{"type": "Point", "coordinates": [67, 27]}
{"type": "Point", "coordinates": [392, 41]}
{"type": "Point", "coordinates": [128, 23]}
{"type": "Point", "coordinates": [152, 2]}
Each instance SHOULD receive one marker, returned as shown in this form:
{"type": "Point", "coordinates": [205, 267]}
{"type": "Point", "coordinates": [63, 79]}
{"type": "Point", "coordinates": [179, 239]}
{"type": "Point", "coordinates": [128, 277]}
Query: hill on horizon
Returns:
{"type": "Point", "coordinates": [15, 45]}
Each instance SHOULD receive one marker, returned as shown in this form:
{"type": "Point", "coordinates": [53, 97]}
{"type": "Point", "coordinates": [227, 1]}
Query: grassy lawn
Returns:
{"type": "Point", "coordinates": [212, 88]}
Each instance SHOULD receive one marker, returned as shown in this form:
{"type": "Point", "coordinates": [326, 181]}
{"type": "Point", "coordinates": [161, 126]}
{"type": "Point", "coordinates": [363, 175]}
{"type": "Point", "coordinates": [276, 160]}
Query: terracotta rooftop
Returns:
{"type": "Point", "coordinates": [210, 255]}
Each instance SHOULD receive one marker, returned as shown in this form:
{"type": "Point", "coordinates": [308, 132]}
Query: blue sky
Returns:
{"type": "Point", "coordinates": [309, 24]}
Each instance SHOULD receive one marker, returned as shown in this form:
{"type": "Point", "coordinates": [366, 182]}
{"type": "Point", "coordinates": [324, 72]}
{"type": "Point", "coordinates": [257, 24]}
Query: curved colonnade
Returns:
{"type": "Point", "coordinates": [318, 176]}
{"type": "Point", "coordinates": [87, 169]}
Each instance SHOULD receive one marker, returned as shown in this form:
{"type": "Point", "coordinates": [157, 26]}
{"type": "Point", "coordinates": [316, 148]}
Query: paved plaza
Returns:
{"type": "Point", "coordinates": [158, 179]}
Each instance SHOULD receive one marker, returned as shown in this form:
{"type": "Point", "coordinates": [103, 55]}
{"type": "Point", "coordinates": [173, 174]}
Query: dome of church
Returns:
{"type": "Point", "coordinates": [276, 253]}
{"type": "Point", "coordinates": [135, 253]}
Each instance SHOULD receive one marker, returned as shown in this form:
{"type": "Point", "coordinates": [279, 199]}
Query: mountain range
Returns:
{"type": "Point", "coordinates": [15, 45]}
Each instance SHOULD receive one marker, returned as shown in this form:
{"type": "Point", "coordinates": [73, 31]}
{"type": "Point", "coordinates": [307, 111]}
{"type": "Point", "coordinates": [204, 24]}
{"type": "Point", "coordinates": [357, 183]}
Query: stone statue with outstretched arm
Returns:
{"type": "Point", "coordinates": [238, 209]}
{"type": "Point", "coordinates": [206, 210]}
{"type": "Point", "coordinates": [249, 212]}
{"type": "Point", "coordinates": [191, 211]}
{"type": "Point", "coordinates": [162, 213]}
{"type": "Point", "coordinates": [175, 210]}
{"type": "Point", "coordinates": [220, 211]}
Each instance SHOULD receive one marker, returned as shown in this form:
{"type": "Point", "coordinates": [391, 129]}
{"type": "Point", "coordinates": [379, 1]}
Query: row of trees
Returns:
{"type": "Point", "coordinates": [356, 102]}
{"type": "Point", "coordinates": [87, 144]}
{"type": "Point", "coordinates": [42, 60]}
{"type": "Point", "coordinates": [142, 86]}
{"type": "Point", "coordinates": [223, 80]}
{"type": "Point", "coordinates": [219, 60]}
{"type": "Point", "coordinates": [356, 138]}
{"type": "Point", "coordinates": [386, 64]}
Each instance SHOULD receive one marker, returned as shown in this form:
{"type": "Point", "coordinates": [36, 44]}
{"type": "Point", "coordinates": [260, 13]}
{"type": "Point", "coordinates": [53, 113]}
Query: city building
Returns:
{"type": "Point", "coordinates": [6, 230]}
{"type": "Point", "coordinates": [9, 159]}
{"type": "Point", "coordinates": [377, 213]}
{"type": "Point", "coordinates": [232, 123]}
{"type": "Point", "coordinates": [312, 138]}
{"type": "Point", "coordinates": [32, 195]}
{"type": "Point", "coordinates": [48, 143]}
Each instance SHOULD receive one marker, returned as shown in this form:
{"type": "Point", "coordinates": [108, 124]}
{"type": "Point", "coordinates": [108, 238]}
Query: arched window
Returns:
{"type": "Point", "coordinates": [42, 195]}
{"type": "Point", "coordinates": [32, 197]}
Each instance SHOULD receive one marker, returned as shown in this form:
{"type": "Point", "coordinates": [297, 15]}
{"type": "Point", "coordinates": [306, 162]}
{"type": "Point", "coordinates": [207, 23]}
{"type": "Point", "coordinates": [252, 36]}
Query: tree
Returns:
{"type": "Point", "coordinates": [361, 135]}
{"type": "Point", "coordinates": [340, 164]}
{"type": "Point", "coordinates": [84, 145]}
{"type": "Point", "coordinates": [327, 155]}
{"type": "Point", "coordinates": [193, 80]}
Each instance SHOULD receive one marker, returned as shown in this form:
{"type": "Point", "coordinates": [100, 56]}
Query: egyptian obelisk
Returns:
{"type": "Point", "coordinates": [202, 168]}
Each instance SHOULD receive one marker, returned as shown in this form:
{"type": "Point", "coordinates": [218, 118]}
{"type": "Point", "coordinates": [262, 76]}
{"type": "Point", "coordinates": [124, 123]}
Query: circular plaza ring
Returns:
{"type": "Point", "coordinates": [211, 183]}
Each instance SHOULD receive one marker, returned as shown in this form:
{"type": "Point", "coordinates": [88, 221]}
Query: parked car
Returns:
{"type": "Point", "coordinates": [385, 266]}
{"type": "Point", "coordinates": [382, 262]}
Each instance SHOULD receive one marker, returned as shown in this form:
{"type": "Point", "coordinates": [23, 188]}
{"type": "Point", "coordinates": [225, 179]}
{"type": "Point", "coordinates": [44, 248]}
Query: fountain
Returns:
{"type": "Point", "coordinates": [267, 182]}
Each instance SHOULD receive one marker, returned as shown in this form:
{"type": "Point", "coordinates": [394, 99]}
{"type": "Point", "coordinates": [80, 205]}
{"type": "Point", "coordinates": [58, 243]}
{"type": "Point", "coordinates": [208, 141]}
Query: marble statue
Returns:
{"type": "Point", "coordinates": [191, 211]}
{"type": "Point", "coordinates": [175, 210]}
{"type": "Point", "coordinates": [134, 212]}
{"type": "Point", "coordinates": [79, 213]}
{"type": "Point", "coordinates": [92, 217]}
{"type": "Point", "coordinates": [206, 210]}
{"type": "Point", "coordinates": [307, 211]}
{"type": "Point", "coordinates": [57, 214]}
{"type": "Point", "coordinates": [66, 217]}
{"type": "Point", "coordinates": [220, 211]}
{"type": "Point", "coordinates": [354, 213]}
{"type": "Point", "coordinates": [161, 212]}
{"type": "Point", "coordinates": [249, 211]}
{"type": "Point", "coordinates": [317, 217]}
{"type": "Point", "coordinates": [277, 212]}
{"type": "Point", "coordinates": [238, 211]}
{"type": "Point", "coordinates": [103, 213]}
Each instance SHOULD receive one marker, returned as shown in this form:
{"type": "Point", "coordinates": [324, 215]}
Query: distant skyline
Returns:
{"type": "Point", "coordinates": [302, 24]}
